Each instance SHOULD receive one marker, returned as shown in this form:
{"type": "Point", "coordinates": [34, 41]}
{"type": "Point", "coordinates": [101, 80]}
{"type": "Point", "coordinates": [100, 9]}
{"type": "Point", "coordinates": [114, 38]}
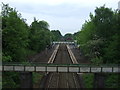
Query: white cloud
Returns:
{"type": "Point", "coordinates": [57, 2]}
{"type": "Point", "coordinates": [64, 15]}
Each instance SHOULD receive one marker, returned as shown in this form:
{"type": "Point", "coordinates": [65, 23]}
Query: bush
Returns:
{"type": "Point", "coordinates": [88, 80]}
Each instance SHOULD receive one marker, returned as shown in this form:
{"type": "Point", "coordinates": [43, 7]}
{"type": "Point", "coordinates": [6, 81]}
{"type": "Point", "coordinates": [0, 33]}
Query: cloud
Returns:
{"type": "Point", "coordinates": [64, 15]}
{"type": "Point", "coordinates": [63, 10]}
{"type": "Point", "coordinates": [58, 2]}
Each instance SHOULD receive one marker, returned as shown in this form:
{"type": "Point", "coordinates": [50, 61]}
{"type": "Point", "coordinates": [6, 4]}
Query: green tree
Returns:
{"type": "Point", "coordinates": [99, 36]}
{"type": "Point", "coordinates": [14, 43]}
{"type": "Point", "coordinates": [56, 35]}
{"type": "Point", "coordinates": [68, 37]}
{"type": "Point", "coordinates": [40, 35]}
{"type": "Point", "coordinates": [15, 34]}
{"type": "Point", "coordinates": [103, 21]}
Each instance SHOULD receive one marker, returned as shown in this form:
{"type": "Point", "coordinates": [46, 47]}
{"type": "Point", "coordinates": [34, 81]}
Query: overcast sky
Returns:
{"type": "Point", "coordinates": [64, 15]}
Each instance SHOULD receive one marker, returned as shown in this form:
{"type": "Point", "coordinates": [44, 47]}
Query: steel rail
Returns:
{"type": "Point", "coordinates": [52, 58]}
{"type": "Point", "coordinates": [72, 55]}
{"type": "Point", "coordinates": [74, 61]}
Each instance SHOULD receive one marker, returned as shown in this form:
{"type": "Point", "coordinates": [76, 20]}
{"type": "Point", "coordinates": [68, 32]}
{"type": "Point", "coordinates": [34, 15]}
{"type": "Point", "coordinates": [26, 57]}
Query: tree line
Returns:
{"type": "Point", "coordinates": [99, 41]}
{"type": "Point", "coordinates": [20, 40]}
{"type": "Point", "coordinates": [99, 38]}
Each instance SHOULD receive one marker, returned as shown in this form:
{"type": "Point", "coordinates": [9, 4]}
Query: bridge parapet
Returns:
{"type": "Point", "coordinates": [63, 42]}
{"type": "Point", "coordinates": [78, 68]}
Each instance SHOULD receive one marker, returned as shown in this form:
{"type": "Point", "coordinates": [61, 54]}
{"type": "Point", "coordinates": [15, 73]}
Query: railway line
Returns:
{"type": "Point", "coordinates": [62, 55]}
{"type": "Point", "coordinates": [61, 69]}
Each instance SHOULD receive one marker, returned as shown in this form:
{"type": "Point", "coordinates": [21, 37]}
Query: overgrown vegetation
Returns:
{"type": "Point", "coordinates": [36, 79]}
{"type": "Point", "coordinates": [88, 80]}
{"type": "Point", "coordinates": [10, 80]}
{"type": "Point", "coordinates": [56, 35]}
{"type": "Point", "coordinates": [68, 37]}
{"type": "Point", "coordinates": [20, 40]}
{"type": "Point", "coordinates": [99, 39]}
{"type": "Point", "coordinates": [112, 81]}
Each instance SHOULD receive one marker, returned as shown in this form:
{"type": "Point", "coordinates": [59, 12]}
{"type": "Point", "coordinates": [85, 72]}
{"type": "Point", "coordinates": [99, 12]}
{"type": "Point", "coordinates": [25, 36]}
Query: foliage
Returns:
{"type": "Point", "coordinates": [112, 52]}
{"type": "Point", "coordinates": [112, 81]}
{"type": "Point", "coordinates": [88, 80]}
{"type": "Point", "coordinates": [99, 37]}
{"type": "Point", "coordinates": [75, 35]}
{"type": "Point", "coordinates": [40, 36]}
{"type": "Point", "coordinates": [68, 37]}
{"type": "Point", "coordinates": [20, 40]}
{"type": "Point", "coordinates": [10, 80]}
{"type": "Point", "coordinates": [14, 35]}
{"type": "Point", "coordinates": [103, 21]}
{"type": "Point", "coordinates": [36, 77]}
{"type": "Point", "coordinates": [6, 58]}
{"type": "Point", "coordinates": [56, 35]}
{"type": "Point", "coordinates": [97, 60]}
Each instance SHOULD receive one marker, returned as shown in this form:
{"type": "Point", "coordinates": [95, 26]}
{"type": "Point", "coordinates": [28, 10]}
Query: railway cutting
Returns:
{"type": "Point", "coordinates": [62, 55]}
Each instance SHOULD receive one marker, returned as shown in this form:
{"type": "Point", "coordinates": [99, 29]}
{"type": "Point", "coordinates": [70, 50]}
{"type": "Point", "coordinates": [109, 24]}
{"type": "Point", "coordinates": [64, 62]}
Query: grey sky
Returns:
{"type": "Point", "coordinates": [64, 15]}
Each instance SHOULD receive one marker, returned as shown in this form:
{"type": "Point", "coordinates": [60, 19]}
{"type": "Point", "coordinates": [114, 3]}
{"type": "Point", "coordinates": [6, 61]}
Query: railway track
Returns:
{"type": "Point", "coordinates": [62, 55]}
{"type": "Point", "coordinates": [52, 58]}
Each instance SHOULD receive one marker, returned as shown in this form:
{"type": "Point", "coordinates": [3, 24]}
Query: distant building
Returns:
{"type": "Point", "coordinates": [119, 5]}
